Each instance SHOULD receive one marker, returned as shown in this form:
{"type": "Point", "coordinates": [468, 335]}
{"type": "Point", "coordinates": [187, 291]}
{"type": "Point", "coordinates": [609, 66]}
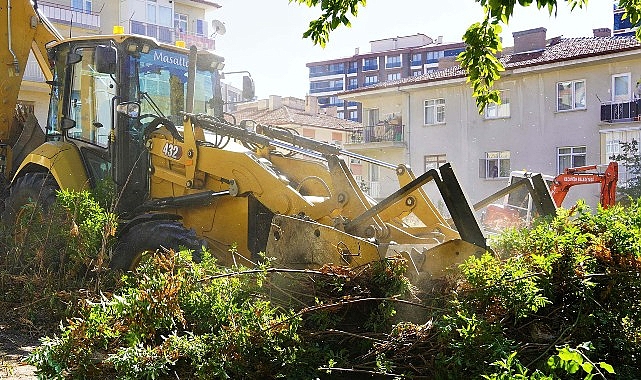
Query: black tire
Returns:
{"type": "Point", "coordinates": [151, 236]}
{"type": "Point", "coordinates": [32, 187]}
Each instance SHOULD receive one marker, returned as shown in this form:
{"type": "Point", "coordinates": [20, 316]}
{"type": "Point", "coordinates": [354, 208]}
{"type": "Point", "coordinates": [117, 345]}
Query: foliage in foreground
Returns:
{"type": "Point", "coordinates": [185, 319]}
{"type": "Point", "coordinates": [47, 261]}
{"type": "Point", "coordinates": [558, 301]}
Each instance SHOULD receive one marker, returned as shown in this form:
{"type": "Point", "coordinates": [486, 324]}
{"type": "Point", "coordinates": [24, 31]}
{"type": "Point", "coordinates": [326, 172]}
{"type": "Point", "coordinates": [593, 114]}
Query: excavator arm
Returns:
{"type": "Point", "coordinates": [23, 29]}
{"type": "Point", "coordinates": [584, 175]}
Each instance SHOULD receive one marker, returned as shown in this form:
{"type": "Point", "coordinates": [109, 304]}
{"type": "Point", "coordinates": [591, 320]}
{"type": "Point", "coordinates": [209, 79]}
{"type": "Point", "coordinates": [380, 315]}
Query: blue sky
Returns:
{"type": "Point", "coordinates": [264, 37]}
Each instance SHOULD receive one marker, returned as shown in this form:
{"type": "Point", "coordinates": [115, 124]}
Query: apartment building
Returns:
{"type": "Point", "coordinates": [390, 59]}
{"type": "Point", "coordinates": [565, 102]}
{"type": "Point", "coordinates": [166, 20]}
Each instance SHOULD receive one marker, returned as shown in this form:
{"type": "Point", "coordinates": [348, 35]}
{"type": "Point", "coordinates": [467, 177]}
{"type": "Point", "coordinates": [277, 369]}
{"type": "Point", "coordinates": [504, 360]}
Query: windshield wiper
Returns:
{"type": "Point", "coordinates": [153, 104]}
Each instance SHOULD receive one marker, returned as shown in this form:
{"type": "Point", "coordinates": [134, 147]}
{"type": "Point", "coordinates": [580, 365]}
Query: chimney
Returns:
{"type": "Point", "coordinates": [357, 51]}
{"type": "Point", "coordinates": [439, 40]}
{"type": "Point", "coordinates": [311, 105]}
{"type": "Point", "coordinates": [602, 32]}
{"type": "Point", "coordinates": [275, 102]}
{"type": "Point", "coordinates": [529, 40]}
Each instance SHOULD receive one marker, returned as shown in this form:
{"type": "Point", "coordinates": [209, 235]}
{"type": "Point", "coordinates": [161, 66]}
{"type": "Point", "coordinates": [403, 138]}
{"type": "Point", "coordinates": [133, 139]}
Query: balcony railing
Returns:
{"type": "Point", "coordinates": [161, 33]}
{"type": "Point", "coordinates": [170, 35]}
{"type": "Point", "coordinates": [377, 133]}
{"type": "Point", "coordinates": [621, 112]}
{"type": "Point", "coordinates": [69, 16]}
{"type": "Point", "coordinates": [326, 89]}
{"type": "Point", "coordinates": [201, 42]}
{"type": "Point", "coordinates": [326, 73]}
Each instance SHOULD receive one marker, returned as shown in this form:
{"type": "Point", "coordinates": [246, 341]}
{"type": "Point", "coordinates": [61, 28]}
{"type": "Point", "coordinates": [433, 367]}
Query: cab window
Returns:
{"type": "Point", "coordinates": [91, 96]}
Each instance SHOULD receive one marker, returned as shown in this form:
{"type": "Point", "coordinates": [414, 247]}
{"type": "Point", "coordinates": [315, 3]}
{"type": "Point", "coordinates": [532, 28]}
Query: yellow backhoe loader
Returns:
{"type": "Point", "coordinates": [148, 118]}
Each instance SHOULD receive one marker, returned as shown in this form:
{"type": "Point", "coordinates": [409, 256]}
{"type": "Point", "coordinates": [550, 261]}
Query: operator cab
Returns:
{"type": "Point", "coordinates": [107, 89]}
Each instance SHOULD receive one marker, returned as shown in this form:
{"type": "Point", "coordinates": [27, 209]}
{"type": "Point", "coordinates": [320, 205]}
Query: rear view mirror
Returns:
{"type": "Point", "coordinates": [248, 88]}
{"type": "Point", "coordinates": [105, 58]}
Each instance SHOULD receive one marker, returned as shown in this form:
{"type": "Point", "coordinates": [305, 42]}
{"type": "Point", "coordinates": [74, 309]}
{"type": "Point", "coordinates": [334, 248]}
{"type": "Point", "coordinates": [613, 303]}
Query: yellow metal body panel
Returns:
{"type": "Point", "coordinates": [311, 201]}
{"type": "Point", "coordinates": [63, 160]}
{"type": "Point", "coordinates": [22, 31]}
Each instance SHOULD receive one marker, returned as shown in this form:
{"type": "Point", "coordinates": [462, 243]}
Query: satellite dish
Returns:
{"type": "Point", "coordinates": [219, 27]}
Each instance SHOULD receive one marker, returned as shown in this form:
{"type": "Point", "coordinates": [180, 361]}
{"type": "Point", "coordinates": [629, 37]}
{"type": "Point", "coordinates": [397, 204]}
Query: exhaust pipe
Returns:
{"type": "Point", "coordinates": [16, 66]}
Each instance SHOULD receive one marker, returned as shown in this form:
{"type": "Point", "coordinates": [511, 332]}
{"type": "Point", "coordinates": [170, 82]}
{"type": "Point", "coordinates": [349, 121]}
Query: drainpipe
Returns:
{"type": "Point", "coordinates": [16, 66]}
{"type": "Point", "coordinates": [407, 131]}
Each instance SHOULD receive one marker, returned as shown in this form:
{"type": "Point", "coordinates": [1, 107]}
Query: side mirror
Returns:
{"type": "Point", "coordinates": [73, 58]}
{"type": "Point", "coordinates": [67, 124]}
{"type": "Point", "coordinates": [249, 90]}
{"type": "Point", "coordinates": [130, 109]}
{"type": "Point", "coordinates": [105, 58]}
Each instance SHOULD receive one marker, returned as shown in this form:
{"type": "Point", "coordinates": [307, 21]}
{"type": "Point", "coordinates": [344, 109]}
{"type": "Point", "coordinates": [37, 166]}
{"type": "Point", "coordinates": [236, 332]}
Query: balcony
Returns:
{"type": "Point", "coordinates": [370, 67]}
{"type": "Point", "coordinates": [323, 73]}
{"type": "Point", "coordinates": [332, 89]}
{"type": "Point", "coordinates": [161, 33]}
{"type": "Point", "coordinates": [384, 132]}
{"type": "Point", "coordinates": [621, 112]}
{"type": "Point", "coordinates": [66, 15]}
{"type": "Point", "coordinates": [200, 41]}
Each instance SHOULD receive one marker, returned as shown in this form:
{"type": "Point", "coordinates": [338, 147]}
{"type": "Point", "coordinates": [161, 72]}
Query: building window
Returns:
{"type": "Point", "coordinates": [495, 165]}
{"type": "Point", "coordinates": [417, 73]}
{"type": "Point", "coordinates": [434, 161]}
{"type": "Point", "coordinates": [326, 85]}
{"type": "Point", "coordinates": [371, 79]}
{"type": "Point", "coordinates": [571, 157]}
{"type": "Point", "coordinates": [434, 56]}
{"type": "Point", "coordinates": [612, 146]}
{"type": "Point", "coordinates": [392, 61]}
{"type": "Point", "coordinates": [417, 59]}
{"type": "Point", "coordinates": [434, 111]}
{"type": "Point", "coordinates": [180, 22]}
{"type": "Point", "coordinates": [340, 114]}
{"type": "Point", "coordinates": [353, 115]}
{"type": "Point", "coordinates": [621, 88]}
{"type": "Point", "coordinates": [353, 67]}
{"type": "Point", "coordinates": [498, 111]}
{"type": "Point", "coordinates": [81, 5]}
{"type": "Point", "coordinates": [201, 27]}
{"type": "Point", "coordinates": [353, 83]}
{"type": "Point", "coordinates": [393, 76]}
{"type": "Point", "coordinates": [370, 64]}
{"type": "Point", "coordinates": [570, 95]}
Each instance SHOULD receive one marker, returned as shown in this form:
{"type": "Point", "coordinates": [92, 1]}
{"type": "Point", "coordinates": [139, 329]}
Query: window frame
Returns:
{"type": "Point", "coordinates": [499, 160]}
{"type": "Point", "coordinates": [438, 111]}
{"type": "Point", "coordinates": [433, 161]}
{"type": "Point", "coordinates": [369, 82]}
{"type": "Point", "coordinates": [573, 155]}
{"type": "Point", "coordinates": [396, 76]}
{"type": "Point", "coordinates": [179, 21]}
{"type": "Point", "coordinates": [623, 97]}
{"type": "Point", "coordinates": [573, 95]}
{"type": "Point", "coordinates": [499, 111]}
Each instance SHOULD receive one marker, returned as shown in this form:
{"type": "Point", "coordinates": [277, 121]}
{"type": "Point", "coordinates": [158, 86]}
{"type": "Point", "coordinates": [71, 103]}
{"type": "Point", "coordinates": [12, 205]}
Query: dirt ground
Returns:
{"type": "Point", "coordinates": [15, 345]}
